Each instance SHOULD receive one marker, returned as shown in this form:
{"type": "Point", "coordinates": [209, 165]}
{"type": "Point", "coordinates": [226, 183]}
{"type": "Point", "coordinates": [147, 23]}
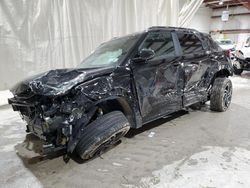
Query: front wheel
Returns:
{"type": "Point", "coordinates": [221, 94]}
{"type": "Point", "coordinates": [102, 134]}
{"type": "Point", "coordinates": [237, 67]}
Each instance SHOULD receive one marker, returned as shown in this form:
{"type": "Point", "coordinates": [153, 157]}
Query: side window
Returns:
{"type": "Point", "coordinates": [161, 42]}
{"type": "Point", "coordinates": [190, 43]}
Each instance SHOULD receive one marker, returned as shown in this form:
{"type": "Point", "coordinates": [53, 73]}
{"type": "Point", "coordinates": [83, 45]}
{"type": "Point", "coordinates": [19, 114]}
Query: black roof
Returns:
{"type": "Point", "coordinates": [157, 28]}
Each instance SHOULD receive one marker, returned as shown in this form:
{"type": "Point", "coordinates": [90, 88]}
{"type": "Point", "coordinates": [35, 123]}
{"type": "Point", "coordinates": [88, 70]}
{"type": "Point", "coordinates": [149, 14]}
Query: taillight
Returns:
{"type": "Point", "coordinates": [227, 53]}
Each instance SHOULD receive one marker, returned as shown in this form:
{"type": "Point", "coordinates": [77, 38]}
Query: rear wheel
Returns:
{"type": "Point", "coordinates": [237, 67]}
{"type": "Point", "coordinates": [102, 134]}
{"type": "Point", "coordinates": [221, 94]}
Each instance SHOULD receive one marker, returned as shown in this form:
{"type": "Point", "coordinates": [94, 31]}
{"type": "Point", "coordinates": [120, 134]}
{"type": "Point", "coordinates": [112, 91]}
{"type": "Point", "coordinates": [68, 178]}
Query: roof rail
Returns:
{"type": "Point", "coordinates": [170, 27]}
{"type": "Point", "coordinates": [158, 27]}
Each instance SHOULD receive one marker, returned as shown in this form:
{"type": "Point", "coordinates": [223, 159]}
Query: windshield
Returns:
{"type": "Point", "coordinates": [110, 53]}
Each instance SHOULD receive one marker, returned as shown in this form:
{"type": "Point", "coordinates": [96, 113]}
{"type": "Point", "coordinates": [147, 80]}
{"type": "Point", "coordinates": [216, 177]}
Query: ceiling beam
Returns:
{"type": "Point", "coordinates": [214, 4]}
{"type": "Point", "coordinates": [247, 4]}
{"type": "Point", "coordinates": [231, 31]}
{"type": "Point", "coordinates": [239, 14]}
{"type": "Point", "coordinates": [215, 1]}
{"type": "Point", "coordinates": [223, 7]}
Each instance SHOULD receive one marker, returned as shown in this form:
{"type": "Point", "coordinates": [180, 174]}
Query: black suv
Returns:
{"type": "Point", "coordinates": [123, 84]}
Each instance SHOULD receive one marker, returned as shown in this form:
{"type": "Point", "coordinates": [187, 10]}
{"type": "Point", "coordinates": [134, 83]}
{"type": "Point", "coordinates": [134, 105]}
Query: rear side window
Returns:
{"type": "Point", "coordinates": [161, 42]}
{"type": "Point", "coordinates": [190, 43]}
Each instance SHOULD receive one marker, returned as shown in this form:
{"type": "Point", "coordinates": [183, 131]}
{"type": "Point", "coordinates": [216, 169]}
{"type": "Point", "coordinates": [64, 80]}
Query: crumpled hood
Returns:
{"type": "Point", "coordinates": [58, 82]}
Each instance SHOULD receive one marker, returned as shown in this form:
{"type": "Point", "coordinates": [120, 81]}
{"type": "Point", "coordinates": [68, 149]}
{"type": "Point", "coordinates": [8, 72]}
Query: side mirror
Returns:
{"type": "Point", "coordinates": [146, 53]}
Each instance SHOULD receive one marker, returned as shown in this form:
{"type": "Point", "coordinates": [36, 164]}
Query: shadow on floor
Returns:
{"type": "Point", "coordinates": [156, 123]}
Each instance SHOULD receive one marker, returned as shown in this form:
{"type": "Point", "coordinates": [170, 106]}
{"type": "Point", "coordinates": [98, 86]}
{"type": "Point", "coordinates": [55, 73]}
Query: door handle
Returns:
{"type": "Point", "coordinates": [176, 64]}
{"type": "Point", "coordinates": [194, 63]}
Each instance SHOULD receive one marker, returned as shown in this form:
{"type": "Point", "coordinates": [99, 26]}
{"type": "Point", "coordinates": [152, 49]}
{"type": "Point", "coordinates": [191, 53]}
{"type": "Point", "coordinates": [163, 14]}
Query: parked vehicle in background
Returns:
{"type": "Point", "coordinates": [245, 50]}
{"type": "Point", "coordinates": [241, 61]}
{"type": "Point", "coordinates": [126, 83]}
{"type": "Point", "coordinates": [227, 45]}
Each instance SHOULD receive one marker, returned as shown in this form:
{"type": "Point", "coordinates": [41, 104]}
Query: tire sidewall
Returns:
{"type": "Point", "coordinates": [228, 83]}
{"type": "Point", "coordinates": [237, 70]}
{"type": "Point", "coordinates": [99, 131]}
{"type": "Point", "coordinates": [217, 102]}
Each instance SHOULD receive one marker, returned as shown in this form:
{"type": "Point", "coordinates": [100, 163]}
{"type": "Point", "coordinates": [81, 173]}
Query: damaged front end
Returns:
{"type": "Point", "coordinates": [57, 114]}
{"type": "Point", "coordinates": [59, 104]}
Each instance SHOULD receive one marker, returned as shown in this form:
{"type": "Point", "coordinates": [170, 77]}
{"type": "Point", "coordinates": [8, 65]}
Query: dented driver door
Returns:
{"type": "Point", "coordinates": [158, 80]}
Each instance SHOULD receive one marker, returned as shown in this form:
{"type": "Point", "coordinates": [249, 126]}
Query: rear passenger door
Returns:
{"type": "Point", "coordinates": [196, 64]}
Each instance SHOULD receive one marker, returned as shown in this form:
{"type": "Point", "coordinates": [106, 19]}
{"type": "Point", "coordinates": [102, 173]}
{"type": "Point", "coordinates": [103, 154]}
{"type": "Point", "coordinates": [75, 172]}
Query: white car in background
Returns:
{"type": "Point", "coordinates": [241, 60]}
{"type": "Point", "coordinates": [226, 44]}
{"type": "Point", "coordinates": [245, 50]}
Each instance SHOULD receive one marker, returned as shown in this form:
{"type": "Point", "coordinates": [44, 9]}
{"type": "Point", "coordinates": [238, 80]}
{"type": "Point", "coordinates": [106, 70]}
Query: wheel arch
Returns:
{"type": "Point", "coordinates": [109, 104]}
{"type": "Point", "coordinates": [220, 74]}
{"type": "Point", "coordinates": [120, 104]}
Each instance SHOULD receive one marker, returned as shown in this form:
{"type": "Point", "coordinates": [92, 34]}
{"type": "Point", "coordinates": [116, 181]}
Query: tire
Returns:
{"type": "Point", "coordinates": [101, 134]}
{"type": "Point", "coordinates": [221, 94]}
{"type": "Point", "coordinates": [237, 67]}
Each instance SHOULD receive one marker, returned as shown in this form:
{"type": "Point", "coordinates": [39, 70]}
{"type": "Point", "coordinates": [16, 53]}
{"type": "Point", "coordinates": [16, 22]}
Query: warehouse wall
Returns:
{"type": "Point", "coordinates": [203, 22]}
{"type": "Point", "coordinates": [202, 19]}
{"type": "Point", "coordinates": [235, 22]}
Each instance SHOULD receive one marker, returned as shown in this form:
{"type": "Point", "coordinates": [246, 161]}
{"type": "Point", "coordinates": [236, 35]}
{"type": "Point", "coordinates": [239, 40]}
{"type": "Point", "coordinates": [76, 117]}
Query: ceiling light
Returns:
{"type": "Point", "coordinates": [221, 2]}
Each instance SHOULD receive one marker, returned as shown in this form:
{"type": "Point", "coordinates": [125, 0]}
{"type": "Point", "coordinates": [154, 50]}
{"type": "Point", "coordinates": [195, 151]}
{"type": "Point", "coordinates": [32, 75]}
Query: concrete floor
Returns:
{"type": "Point", "coordinates": [198, 148]}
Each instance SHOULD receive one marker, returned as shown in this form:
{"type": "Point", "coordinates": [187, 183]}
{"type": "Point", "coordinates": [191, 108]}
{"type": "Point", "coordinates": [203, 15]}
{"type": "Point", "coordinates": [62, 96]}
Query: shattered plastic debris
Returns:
{"type": "Point", "coordinates": [102, 170]}
{"type": "Point", "coordinates": [117, 164]}
{"type": "Point", "coordinates": [127, 158]}
{"type": "Point", "coordinates": [151, 134]}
